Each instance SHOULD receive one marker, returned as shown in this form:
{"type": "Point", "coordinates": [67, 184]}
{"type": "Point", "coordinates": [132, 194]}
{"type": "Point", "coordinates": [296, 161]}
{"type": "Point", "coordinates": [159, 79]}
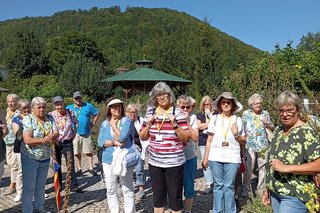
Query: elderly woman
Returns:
{"type": "Point", "coordinates": [12, 111]}
{"type": "Point", "coordinates": [206, 112]}
{"type": "Point", "coordinates": [294, 158]}
{"type": "Point", "coordinates": [132, 112]}
{"type": "Point", "coordinates": [255, 122]}
{"type": "Point", "coordinates": [24, 109]}
{"type": "Point", "coordinates": [116, 131]}
{"type": "Point", "coordinates": [3, 133]}
{"type": "Point", "coordinates": [39, 132]}
{"type": "Point", "coordinates": [66, 122]}
{"type": "Point", "coordinates": [223, 151]}
{"type": "Point", "coordinates": [167, 130]}
{"type": "Point", "coordinates": [190, 151]}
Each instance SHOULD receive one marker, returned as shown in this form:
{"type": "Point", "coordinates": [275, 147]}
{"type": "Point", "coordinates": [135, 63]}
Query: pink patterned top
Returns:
{"type": "Point", "coordinates": [66, 124]}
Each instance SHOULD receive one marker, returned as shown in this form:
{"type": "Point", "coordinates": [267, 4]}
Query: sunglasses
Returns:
{"type": "Point", "coordinates": [226, 102]}
{"type": "Point", "coordinates": [185, 107]}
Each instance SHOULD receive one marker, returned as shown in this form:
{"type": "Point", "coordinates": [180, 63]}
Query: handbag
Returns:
{"type": "Point", "coordinates": [269, 134]}
{"type": "Point", "coordinates": [133, 156]}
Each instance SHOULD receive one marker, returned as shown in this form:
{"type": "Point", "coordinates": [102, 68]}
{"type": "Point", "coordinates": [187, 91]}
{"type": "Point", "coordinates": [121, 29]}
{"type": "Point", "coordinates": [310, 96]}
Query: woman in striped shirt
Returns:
{"type": "Point", "coordinates": [167, 130]}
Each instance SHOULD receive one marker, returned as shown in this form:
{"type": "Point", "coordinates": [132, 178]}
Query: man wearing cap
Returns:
{"type": "Point", "coordinates": [66, 122]}
{"type": "Point", "coordinates": [82, 141]}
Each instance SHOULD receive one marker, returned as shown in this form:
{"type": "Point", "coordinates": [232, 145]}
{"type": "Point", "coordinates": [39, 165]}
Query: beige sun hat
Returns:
{"type": "Point", "coordinates": [114, 101]}
{"type": "Point", "coordinates": [228, 95]}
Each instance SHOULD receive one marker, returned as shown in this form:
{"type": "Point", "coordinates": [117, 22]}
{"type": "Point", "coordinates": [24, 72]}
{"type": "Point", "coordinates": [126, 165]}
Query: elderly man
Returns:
{"type": "Point", "coordinates": [82, 141]}
{"type": "Point", "coordinates": [66, 123]}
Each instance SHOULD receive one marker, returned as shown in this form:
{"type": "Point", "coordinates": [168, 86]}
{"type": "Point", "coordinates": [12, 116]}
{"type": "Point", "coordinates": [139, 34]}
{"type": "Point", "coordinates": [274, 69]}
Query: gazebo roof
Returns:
{"type": "Point", "coordinates": [146, 74]}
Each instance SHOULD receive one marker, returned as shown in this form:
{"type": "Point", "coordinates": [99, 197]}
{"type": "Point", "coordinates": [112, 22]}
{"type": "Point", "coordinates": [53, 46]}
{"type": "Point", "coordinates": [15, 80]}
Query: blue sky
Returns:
{"type": "Point", "coordinates": [262, 24]}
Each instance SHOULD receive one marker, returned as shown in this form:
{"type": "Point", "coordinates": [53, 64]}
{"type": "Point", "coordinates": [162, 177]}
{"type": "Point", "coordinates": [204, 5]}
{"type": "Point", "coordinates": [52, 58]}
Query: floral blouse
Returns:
{"type": "Point", "coordinates": [39, 130]}
{"type": "Point", "coordinates": [257, 139]}
{"type": "Point", "coordinates": [302, 145]}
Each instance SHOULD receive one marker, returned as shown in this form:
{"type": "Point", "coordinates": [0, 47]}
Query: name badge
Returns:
{"type": "Point", "coordinates": [258, 134]}
{"type": "Point", "coordinates": [225, 143]}
{"type": "Point", "coordinates": [205, 131]}
{"type": "Point", "coordinates": [159, 138]}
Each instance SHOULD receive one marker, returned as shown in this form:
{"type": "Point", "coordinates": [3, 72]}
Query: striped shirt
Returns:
{"type": "Point", "coordinates": [168, 151]}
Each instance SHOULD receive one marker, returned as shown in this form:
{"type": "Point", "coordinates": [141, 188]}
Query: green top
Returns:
{"type": "Point", "coordinates": [301, 146]}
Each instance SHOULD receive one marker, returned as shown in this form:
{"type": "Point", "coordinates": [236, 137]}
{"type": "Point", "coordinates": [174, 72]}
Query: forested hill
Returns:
{"type": "Point", "coordinates": [177, 42]}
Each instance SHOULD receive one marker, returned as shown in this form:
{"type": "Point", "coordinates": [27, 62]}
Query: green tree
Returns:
{"type": "Point", "coordinates": [28, 56]}
{"type": "Point", "coordinates": [46, 86]}
{"type": "Point", "coordinates": [63, 48]}
{"type": "Point", "coordinates": [84, 74]}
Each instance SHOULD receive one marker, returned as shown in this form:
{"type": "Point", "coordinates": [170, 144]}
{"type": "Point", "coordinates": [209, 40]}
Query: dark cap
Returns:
{"type": "Point", "coordinates": [77, 94]}
{"type": "Point", "coordinates": [57, 99]}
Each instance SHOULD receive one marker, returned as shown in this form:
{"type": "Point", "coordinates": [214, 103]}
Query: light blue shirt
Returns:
{"type": "Point", "coordinates": [106, 133]}
{"type": "Point", "coordinates": [256, 134]}
{"type": "Point", "coordinates": [83, 115]}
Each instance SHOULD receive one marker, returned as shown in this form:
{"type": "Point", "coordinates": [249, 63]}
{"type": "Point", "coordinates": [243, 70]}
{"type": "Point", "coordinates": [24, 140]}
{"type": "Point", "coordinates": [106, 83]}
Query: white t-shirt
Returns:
{"type": "Point", "coordinates": [144, 144]}
{"type": "Point", "coordinates": [190, 150]}
{"type": "Point", "coordinates": [218, 127]}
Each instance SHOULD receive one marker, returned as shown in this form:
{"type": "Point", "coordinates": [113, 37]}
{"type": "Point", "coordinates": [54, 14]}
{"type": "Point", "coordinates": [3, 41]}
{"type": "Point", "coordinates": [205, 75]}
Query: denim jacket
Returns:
{"type": "Point", "coordinates": [106, 133]}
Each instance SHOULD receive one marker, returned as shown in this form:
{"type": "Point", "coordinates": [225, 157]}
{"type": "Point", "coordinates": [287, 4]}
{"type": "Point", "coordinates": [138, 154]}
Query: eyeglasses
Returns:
{"type": "Point", "coordinates": [132, 113]}
{"type": "Point", "coordinates": [255, 104]}
{"type": "Point", "coordinates": [185, 107]}
{"type": "Point", "coordinates": [226, 102]}
{"type": "Point", "coordinates": [289, 111]}
{"type": "Point", "coordinates": [162, 96]}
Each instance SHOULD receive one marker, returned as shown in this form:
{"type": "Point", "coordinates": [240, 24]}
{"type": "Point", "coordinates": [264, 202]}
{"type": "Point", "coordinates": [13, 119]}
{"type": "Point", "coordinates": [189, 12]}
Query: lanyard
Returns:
{"type": "Point", "coordinates": [164, 118]}
{"type": "Point", "coordinates": [41, 126]}
{"type": "Point", "coordinates": [226, 132]}
{"type": "Point", "coordinates": [256, 119]}
{"type": "Point", "coordinates": [9, 116]}
{"type": "Point", "coordinates": [61, 122]}
{"type": "Point", "coordinates": [78, 112]}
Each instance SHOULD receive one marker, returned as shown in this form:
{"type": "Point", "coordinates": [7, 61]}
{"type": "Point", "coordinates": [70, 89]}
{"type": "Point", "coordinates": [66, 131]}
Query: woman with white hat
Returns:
{"type": "Point", "coordinates": [116, 131]}
{"type": "Point", "coordinates": [223, 151]}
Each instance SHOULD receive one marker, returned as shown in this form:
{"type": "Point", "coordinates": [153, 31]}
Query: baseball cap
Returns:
{"type": "Point", "coordinates": [77, 94]}
{"type": "Point", "coordinates": [57, 99]}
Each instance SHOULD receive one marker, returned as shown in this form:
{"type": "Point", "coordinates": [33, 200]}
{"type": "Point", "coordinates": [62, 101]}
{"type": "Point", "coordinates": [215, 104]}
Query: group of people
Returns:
{"type": "Point", "coordinates": [31, 135]}
{"type": "Point", "coordinates": [232, 148]}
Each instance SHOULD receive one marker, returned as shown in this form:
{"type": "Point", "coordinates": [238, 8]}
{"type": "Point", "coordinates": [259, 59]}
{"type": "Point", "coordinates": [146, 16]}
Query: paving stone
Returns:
{"type": "Point", "coordinates": [94, 197]}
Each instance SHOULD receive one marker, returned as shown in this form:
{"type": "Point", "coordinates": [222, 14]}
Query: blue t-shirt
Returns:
{"type": "Point", "coordinates": [83, 115]}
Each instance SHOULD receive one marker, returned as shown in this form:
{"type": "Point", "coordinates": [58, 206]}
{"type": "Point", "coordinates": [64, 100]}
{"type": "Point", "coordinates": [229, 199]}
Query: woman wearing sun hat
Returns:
{"type": "Point", "coordinates": [223, 151]}
{"type": "Point", "coordinates": [116, 131]}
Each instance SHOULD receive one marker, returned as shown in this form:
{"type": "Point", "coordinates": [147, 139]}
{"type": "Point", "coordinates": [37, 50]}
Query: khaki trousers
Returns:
{"type": "Point", "coordinates": [14, 162]}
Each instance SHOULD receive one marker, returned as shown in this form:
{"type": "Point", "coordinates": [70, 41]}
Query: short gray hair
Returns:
{"type": "Point", "coordinates": [133, 106]}
{"type": "Point", "coordinates": [253, 98]}
{"type": "Point", "coordinates": [22, 103]}
{"type": "Point", "coordinates": [290, 98]}
{"type": "Point", "coordinates": [38, 101]}
{"type": "Point", "coordinates": [184, 99]}
{"type": "Point", "coordinates": [159, 89]}
{"type": "Point", "coordinates": [14, 97]}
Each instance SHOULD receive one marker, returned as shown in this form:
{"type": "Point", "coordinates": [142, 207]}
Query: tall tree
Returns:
{"type": "Point", "coordinates": [28, 56]}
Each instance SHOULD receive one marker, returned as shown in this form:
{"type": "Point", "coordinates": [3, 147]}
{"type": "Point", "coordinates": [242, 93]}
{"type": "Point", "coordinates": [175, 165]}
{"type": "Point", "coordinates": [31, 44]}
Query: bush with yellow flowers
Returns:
{"type": "Point", "coordinates": [313, 204]}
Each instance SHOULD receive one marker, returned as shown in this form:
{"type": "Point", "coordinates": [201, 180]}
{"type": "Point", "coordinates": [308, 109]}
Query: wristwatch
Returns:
{"type": "Point", "coordinates": [175, 126]}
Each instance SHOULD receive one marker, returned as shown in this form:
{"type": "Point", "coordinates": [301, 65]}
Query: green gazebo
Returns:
{"type": "Point", "coordinates": [143, 78]}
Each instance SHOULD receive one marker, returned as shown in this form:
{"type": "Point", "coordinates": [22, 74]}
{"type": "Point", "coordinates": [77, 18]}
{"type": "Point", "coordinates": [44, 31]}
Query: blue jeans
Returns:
{"type": "Point", "coordinates": [189, 173]}
{"type": "Point", "coordinates": [34, 181]}
{"type": "Point", "coordinates": [224, 176]}
{"type": "Point", "coordinates": [141, 178]}
{"type": "Point", "coordinates": [287, 204]}
{"type": "Point", "coordinates": [64, 148]}
{"type": "Point", "coordinates": [206, 173]}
